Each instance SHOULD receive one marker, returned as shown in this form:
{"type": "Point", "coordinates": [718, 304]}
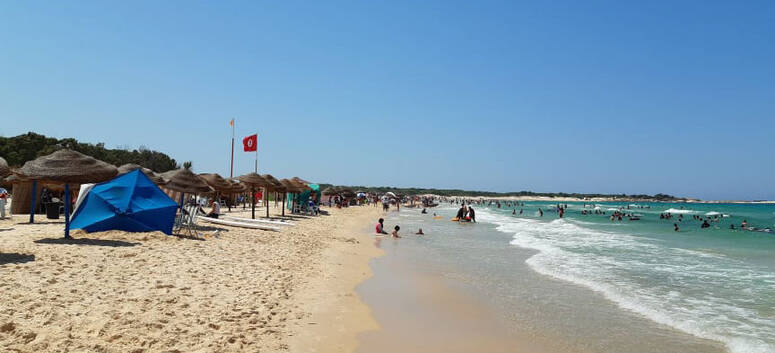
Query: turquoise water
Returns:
{"type": "Point", "coordinates": [715, 283]}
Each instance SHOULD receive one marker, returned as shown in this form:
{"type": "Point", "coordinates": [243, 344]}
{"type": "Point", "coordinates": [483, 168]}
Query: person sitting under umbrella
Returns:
{"type": "Point", "coordinates": [216, 209]}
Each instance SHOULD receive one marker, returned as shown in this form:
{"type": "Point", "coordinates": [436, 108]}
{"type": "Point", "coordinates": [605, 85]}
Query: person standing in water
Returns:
{"type": "Point", "coordinates": [540, 212]}
{"type": "Point", "coordinates": [471, 214]}
{"type": "Point", "coordinates": [461, 213]}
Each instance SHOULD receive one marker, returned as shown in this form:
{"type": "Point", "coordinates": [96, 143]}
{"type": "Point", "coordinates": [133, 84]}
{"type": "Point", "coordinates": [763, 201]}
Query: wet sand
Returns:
{"type": "Point", "coordinates": [419, 312]}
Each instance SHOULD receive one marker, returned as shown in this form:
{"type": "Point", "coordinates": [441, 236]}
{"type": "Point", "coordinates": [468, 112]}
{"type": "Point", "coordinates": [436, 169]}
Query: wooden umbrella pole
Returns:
{"type": "Point", "coordinates": [67, 211]}
{"type": "Point", "coordinates": [32, 207]}
{"type": "Point", "coordinates": [253, 202]}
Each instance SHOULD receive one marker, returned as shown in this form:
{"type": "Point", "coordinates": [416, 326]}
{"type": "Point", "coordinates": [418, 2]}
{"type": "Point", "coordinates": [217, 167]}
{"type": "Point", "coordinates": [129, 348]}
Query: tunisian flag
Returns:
{"type": "Point", "coordinates": [250, 143]}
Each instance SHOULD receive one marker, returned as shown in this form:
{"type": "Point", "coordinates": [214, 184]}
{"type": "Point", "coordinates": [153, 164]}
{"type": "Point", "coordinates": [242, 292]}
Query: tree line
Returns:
{"type": "Point", "coordinates": [469, 193]}
{"type": "Point", "coordinates": [18, 150]}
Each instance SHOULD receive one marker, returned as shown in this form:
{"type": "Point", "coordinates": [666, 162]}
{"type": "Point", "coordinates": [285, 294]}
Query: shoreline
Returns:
{"type": "Point", "coordinates": [334, 314]}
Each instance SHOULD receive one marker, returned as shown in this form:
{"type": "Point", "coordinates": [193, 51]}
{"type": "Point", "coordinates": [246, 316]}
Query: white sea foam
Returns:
{"type": "Point", "coordinates": [710, 299]}
{"type": "Point", "coordinates": [675, 210]}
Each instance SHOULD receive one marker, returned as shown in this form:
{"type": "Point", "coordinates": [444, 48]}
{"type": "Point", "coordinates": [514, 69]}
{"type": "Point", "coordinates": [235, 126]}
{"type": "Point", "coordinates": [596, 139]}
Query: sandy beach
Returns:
{"type": "Point", "coordinates": [242, 291]}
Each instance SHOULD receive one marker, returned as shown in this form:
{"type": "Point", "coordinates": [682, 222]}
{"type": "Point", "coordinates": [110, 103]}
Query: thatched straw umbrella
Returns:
{"type": "Point", "coordinates": [237, 187]}
{"type": "Point", "coordinates": [185, 182]}
{"type": "Point", "coordinates": [254, 181]}
{"type": "Point", "coordinates": [290, 187]}
{"type": "Point", "coordinates": [276, 187]}
{"type": "Point", "coordinates": [67, 167]}
{"type": "Point", "coordinates": [217, 182]}
{"type": "Point", "coordinates": [155, 178]}
{"type": "Point", "coordinates": [4, 170]}
{"type": "Point", "coordinates": [300, 180]}
{"type": "Point", "coordinates": [330, 191]}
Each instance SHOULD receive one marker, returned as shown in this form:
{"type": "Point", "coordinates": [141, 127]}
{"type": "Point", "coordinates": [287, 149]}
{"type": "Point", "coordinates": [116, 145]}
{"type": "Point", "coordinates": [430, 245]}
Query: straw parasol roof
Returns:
{"type": "Point", "coordinates": [4, 170]}
{"type": "Point", "coordinates": [183, 180]}
{"type": "Point", "coordinates": [155, 178]}
{"type": "Point", "coordinates": [291, 186]}
{"type": "Point", "coordinates": [68, 166]}
{"type": "Point", "coordinates": [216, 181]}
{"type": "Point", "coordinates": [274, 184]}
{"type": "Point", "coordinates": [301, 186]}
{"type": "Point", "coordinates": [300, 180]}
{"type": "Point", "coordinates": [254, 180]}
{"type": "Point", "coordinates": [330, 191]}
{"type": "Point", "coordinates": [236, 186]}
{"type": "Point", "coordinates": [346, 192]}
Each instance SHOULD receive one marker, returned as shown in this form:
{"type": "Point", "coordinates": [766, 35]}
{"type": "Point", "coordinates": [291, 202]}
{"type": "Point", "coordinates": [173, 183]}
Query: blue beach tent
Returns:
{"type": "Point", "coordinates": [130, 202]}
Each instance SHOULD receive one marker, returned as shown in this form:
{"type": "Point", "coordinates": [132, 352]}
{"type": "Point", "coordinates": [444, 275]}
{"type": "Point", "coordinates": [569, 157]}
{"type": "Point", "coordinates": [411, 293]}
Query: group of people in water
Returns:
{"type": "Point", "coordinates": [380, 229]}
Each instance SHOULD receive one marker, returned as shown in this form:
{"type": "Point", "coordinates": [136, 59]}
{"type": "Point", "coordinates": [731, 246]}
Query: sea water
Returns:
{"type": "Point", "coordinates": [600, 285]}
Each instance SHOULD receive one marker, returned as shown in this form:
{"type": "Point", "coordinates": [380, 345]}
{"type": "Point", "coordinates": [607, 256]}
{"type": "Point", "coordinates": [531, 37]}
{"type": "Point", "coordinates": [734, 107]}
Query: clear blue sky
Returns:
{"type": "Point", "coordinates": [573, 96]}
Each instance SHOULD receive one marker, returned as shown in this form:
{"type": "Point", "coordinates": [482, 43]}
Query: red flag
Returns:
{"type": "Point", "coordinates": [250, 143]}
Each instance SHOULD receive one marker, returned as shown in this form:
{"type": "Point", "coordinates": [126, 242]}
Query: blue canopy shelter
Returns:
{"type": "Point", "coordinates": [130, 202]}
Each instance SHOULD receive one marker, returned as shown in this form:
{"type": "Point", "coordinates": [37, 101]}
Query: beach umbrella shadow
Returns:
{"type": "Point", "coordinates": [15, 258]}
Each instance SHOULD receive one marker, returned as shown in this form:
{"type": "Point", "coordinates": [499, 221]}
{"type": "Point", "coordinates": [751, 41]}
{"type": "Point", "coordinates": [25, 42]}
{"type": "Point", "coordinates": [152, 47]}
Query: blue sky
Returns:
{"type": "Point", "coordinates": [572, 96]}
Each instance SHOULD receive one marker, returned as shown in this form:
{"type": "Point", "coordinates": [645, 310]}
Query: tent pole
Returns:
{"type": "Point", "coordinates": [67, 211]}
{"type": "Point", "coordinates": [34, 193]}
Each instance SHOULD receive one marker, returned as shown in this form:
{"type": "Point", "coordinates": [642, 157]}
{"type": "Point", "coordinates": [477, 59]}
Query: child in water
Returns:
{"type": "Point", "coordinates": [395, 232]}
{"type": "Point", "coordinates": [419, 232]}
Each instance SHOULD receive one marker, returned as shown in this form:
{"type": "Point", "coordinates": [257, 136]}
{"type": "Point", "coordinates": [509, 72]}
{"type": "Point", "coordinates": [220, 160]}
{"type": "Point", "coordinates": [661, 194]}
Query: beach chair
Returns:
{"type": "Point", "coordinates": [187, 221]}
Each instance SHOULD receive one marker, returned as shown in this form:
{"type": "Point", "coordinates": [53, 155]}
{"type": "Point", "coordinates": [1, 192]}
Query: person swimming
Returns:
{"type": "Point", "coordinates": [419, 232]}
{"type": "Point", "coordinates": [424, 211]}
{"type": "Point", "coordinates": [395, 232]}
{"type": "Point", "coordinates": [675, 227]}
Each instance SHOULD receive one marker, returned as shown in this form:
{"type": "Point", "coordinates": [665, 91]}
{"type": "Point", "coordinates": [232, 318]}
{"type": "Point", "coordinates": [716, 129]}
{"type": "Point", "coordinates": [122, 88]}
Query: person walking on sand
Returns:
{"type": "Point", "coordinates": [381, 226]}
{"type": "Point", "coordinates": [3, 200]}
{"type": "Point", "coordinates": [395, 232]}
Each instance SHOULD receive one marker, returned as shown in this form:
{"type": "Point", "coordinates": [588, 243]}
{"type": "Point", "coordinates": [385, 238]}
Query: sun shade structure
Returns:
{"type": "Point", "coordinates": [237, 187]}
{"type": "Point", "coordinates": [217, 182]}
{"type": "Point", "coordinates": [254, 181]}
{"type": "Point", "coordinates": [184, 181]}
{"type": "Point", "coordinates": [4, 170]}
{"type": "Point", "coordinates": [131, 202]}
{"type": "Point", "coordinates": [300, 185]}
{"type": "Point", "coordinates": [300, 180]}
{"type": "Point", "coordinates": [275, 184]}
{"type": "Point", "coordinates": [330, 191]}
{"type": "Point", "coordinates": [155, 178]}
{"type": "Point", "coordinates": [67, 167]}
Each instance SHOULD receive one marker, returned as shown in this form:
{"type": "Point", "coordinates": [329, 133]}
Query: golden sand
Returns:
{"type": "Point", "coordinates": [243, 291]}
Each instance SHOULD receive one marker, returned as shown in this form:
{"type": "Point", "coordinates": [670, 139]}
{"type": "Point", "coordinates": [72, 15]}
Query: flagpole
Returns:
{"type": "Point", "coordinates": [256, 153]}
{"type": "Point", "coordinates": [231, 169]}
